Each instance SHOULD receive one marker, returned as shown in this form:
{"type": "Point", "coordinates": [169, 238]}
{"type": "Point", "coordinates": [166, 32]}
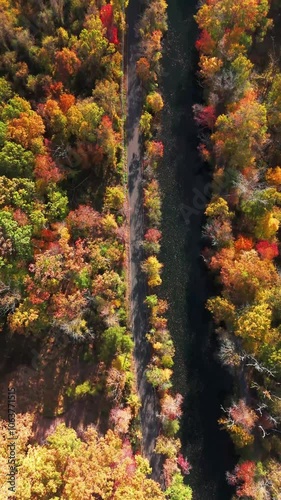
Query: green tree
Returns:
{"type": "Point", "coordinates": [116, 340]}
{"type": "Point", "coordinates": [178, 490]}
{"type": "Point", "coordinates": [14, 107]}
{"type": "Point", "coordinates": [15, 161]}
{"type": "Point", "coordinates": [3, 133]}
{"type": "Point", "coordinates": [5, 90]}
{"type": "Point", "coordinates": [19, 235]}
{"type": "Point", "coordinates": [114, 198]}
{"type": "Point", "coordinates": [57, 206]}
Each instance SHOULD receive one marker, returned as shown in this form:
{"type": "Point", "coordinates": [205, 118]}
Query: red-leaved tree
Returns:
{"type": "Point", "coordinates": [84, 218]}
{"type": "Point", "coordinates": [106, 15]}
{"type": "Point", "coordinates": [205, 115]}
{"type": "Point", "coordinates": [184, 464]}
{"type": "Point", "coordinates": [107, 19]}
{"type": "Point", "coordinates": [153, 235]}
{"type": "Point", "coordinates": [267, 250]}
{"type": "Point", "coordinates": [46, 170]}
{"type": "Point", "coordinates": [205, 43]}
{"type": "Point", "coordinates": [243, 478]}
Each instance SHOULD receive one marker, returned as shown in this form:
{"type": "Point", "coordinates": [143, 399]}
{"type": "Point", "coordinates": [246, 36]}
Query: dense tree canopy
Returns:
{"type": "Point", "coordinates": [242, 113]}
{"type": "Point", "coordinates": [64, 248]}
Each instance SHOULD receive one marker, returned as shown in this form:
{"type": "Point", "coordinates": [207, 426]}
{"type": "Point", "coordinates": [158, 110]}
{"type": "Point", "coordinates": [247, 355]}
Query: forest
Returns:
{"type": "Point", "coordinates": [239, 122]}
{"type": "Point", "coordinates": [64, 280]}
{"type": "Point", "coordinates": [67, 343]}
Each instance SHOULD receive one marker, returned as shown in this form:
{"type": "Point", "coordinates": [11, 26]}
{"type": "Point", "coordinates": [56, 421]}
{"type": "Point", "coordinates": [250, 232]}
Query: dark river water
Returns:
{"type": "Point", "coordinates": [186, 285]}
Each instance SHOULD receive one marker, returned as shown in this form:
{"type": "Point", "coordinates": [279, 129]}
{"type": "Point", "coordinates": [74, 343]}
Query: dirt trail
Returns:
{"type": "Point", "coordinates": [138, 289]}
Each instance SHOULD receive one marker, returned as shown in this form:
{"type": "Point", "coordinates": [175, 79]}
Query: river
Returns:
{"type": "Point", "coordinates": [186, 285]}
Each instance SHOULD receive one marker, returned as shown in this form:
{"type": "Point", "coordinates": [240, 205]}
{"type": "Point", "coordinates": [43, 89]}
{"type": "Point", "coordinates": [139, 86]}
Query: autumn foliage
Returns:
{"type": "Point", "coordinates": [243, 219]}
{"type": "Point", "coordinates": [243, 243]}
{"type": "Point", "coordinates": [75, 467]}
{"type": "Point", "coordinates": [63, 244]}
{"type": "Point", "coordinates": [46, 171]}
{"type": "Point", "coordinates": [153, 235]}
{"type": "Point", "coordinates": [267, 250]}
{"type": "Point", "coordinates": [205, 115]}
{"type": "Point", "coordinates": [107, 19]}
{"type": "Point", "coordinates": [243, 476]}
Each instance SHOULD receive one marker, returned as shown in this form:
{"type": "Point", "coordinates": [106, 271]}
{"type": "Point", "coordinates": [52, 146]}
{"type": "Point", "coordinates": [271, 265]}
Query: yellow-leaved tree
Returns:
{"type": "Point", "coordinates": [67, 467]}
